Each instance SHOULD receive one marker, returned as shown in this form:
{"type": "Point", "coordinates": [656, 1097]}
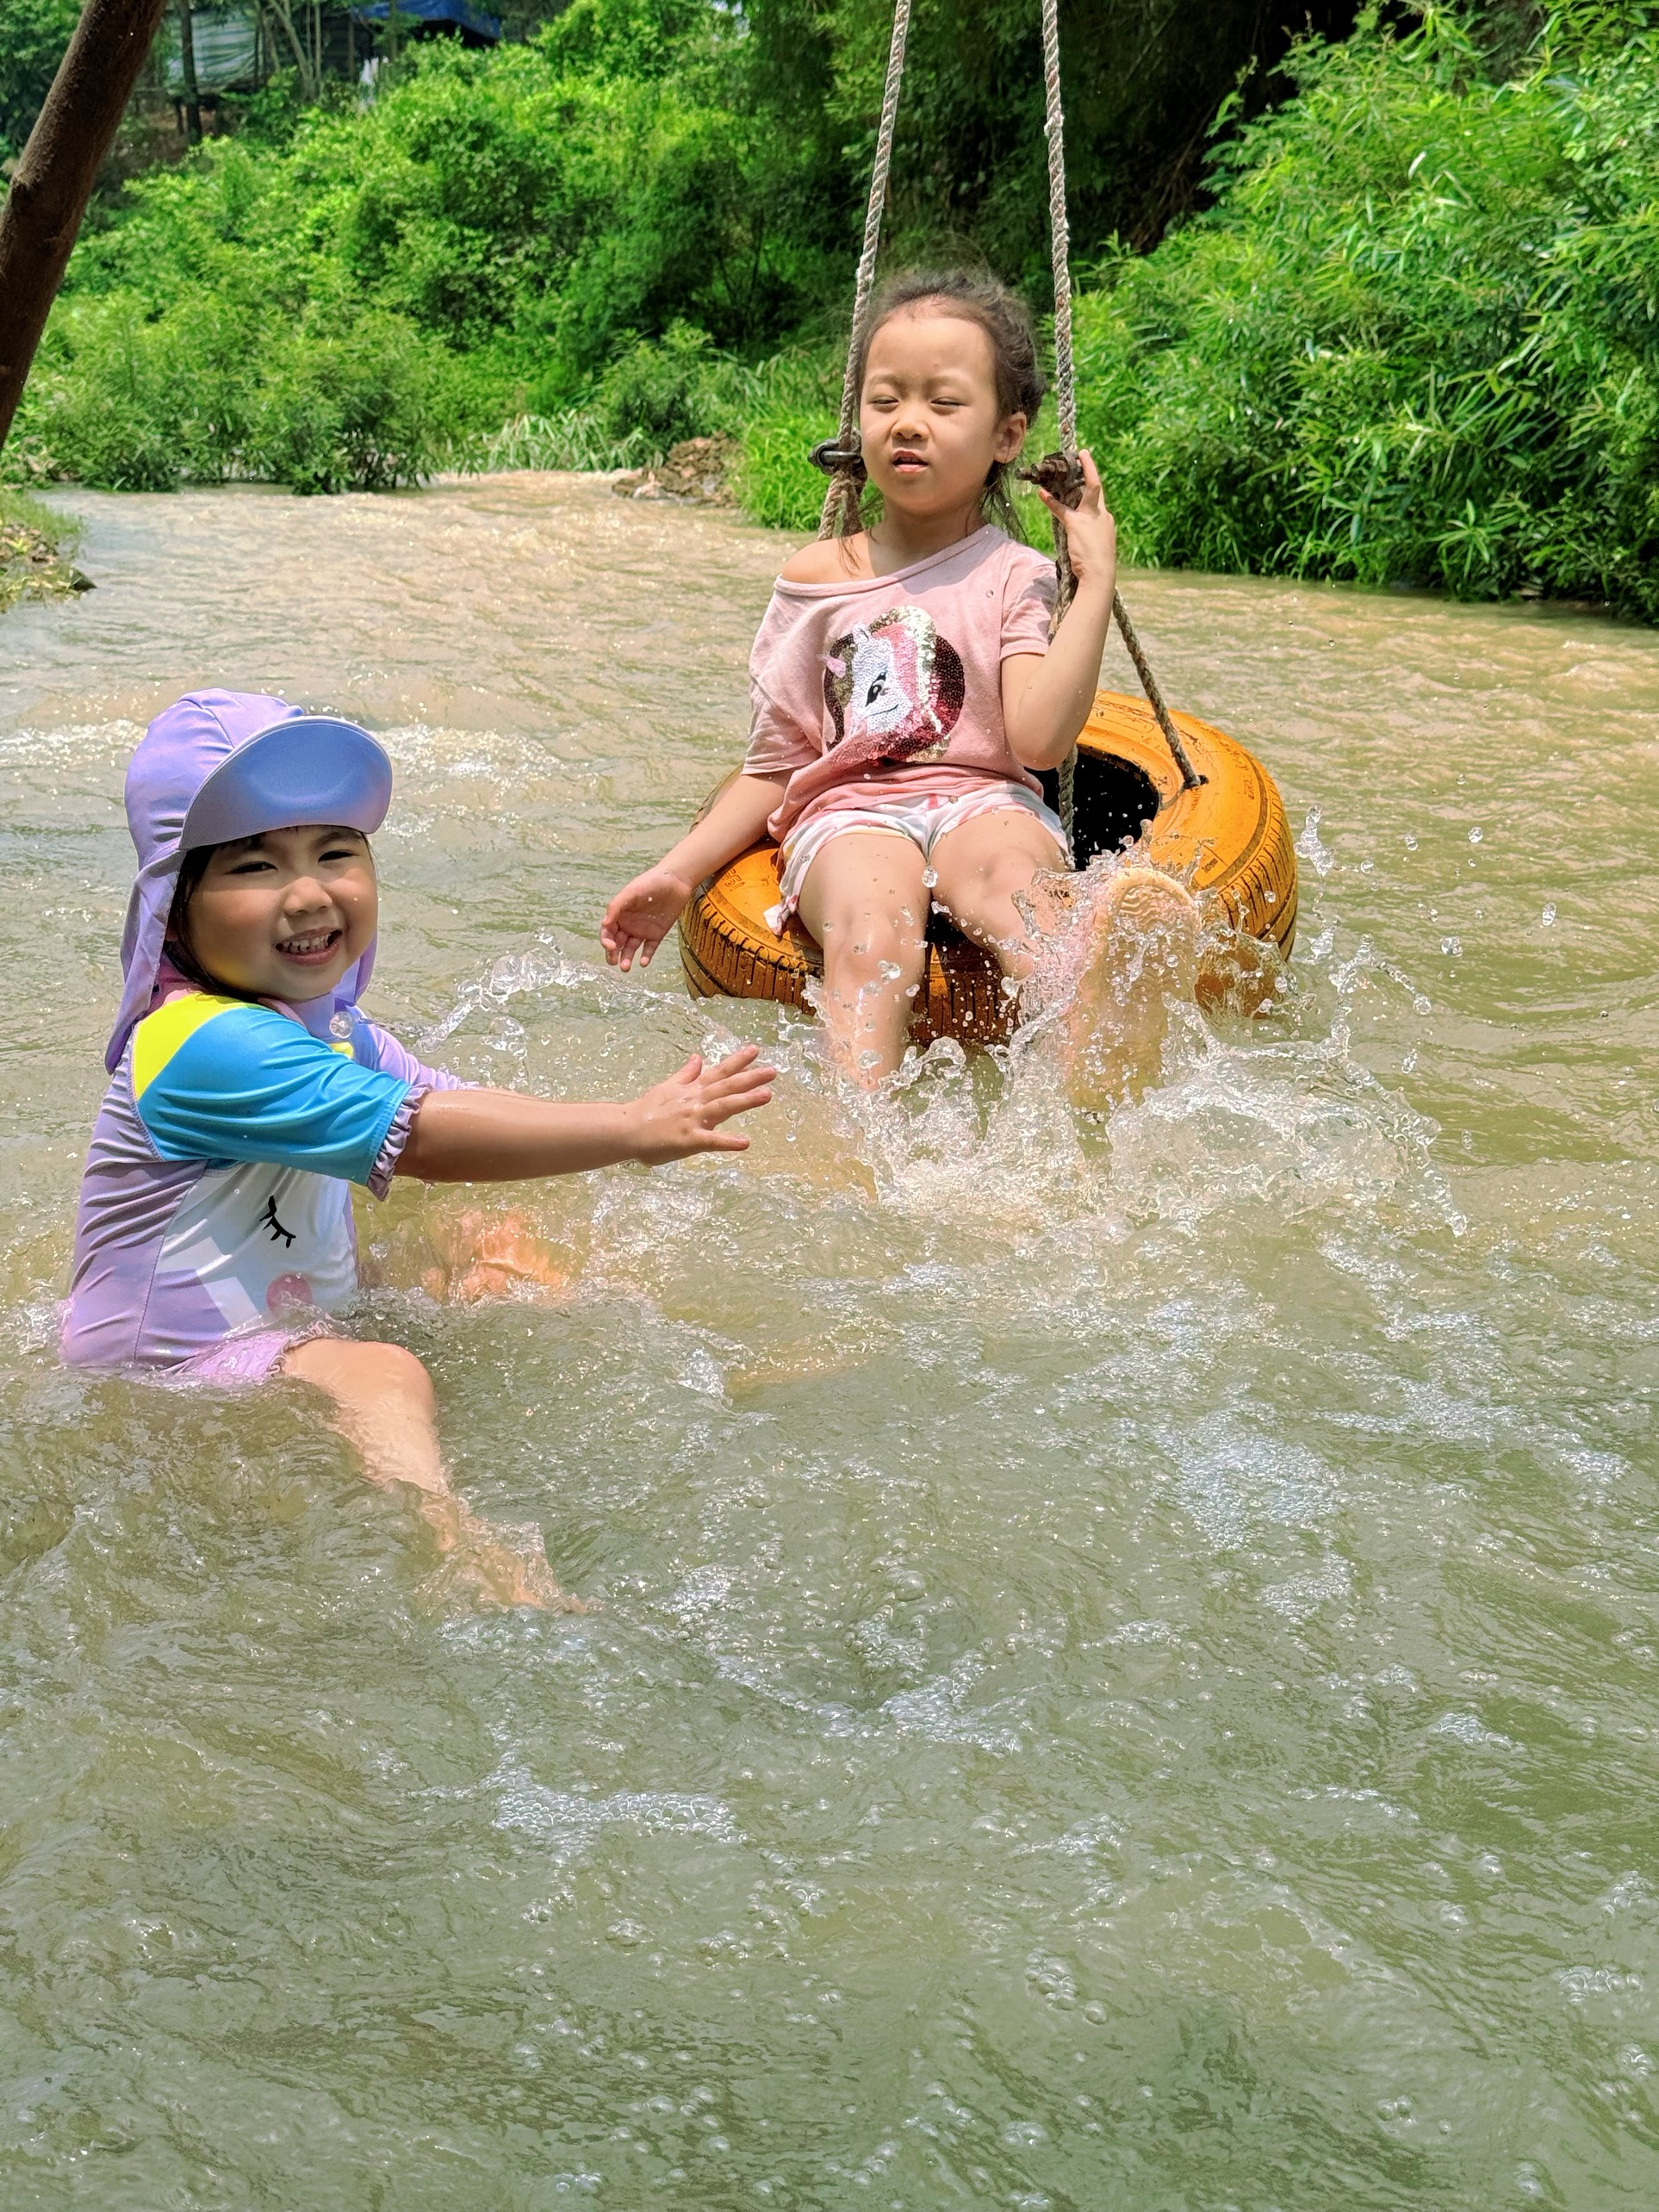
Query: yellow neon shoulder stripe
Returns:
{"type": "Point", "coordinates": [160, 1034]}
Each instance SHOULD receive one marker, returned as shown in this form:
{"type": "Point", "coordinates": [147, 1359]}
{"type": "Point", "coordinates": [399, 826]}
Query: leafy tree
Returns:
{"type": "Point", "coordinates": [1418, 338]}
{"type": "Point", "coordinates": [32, 36]}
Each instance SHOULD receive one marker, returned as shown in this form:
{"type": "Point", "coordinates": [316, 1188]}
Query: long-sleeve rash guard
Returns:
{"type": "Point", "coordinates": [216, 1196]}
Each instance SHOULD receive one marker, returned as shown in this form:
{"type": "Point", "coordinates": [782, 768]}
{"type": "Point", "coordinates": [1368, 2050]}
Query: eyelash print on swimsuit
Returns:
{"type": "Point", "coordinates": [268, 1220]}
{"type": "Point", "coordinates": [894, 688]}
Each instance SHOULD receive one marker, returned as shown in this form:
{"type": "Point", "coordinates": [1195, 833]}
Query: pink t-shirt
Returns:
{"type": "Point", "coordinates": [893, 684]}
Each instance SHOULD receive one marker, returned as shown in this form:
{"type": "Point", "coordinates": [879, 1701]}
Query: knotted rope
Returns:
{"type": "Point", "coordinates": [1065, 482]}
{"type": "Point", "coordinates": [843, 459]}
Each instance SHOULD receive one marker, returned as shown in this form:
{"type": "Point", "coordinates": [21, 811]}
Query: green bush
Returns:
{"type": "Point", "coordinates": [355, 297]}
{"type": "Point", "coordinates": [32, 36]}
{"type": "Point", "coordinates": [679, 387]}
{"type": "Point", "coordinates": [1417, 340]}
{"type": "Point", "coordinates": [209, 391]}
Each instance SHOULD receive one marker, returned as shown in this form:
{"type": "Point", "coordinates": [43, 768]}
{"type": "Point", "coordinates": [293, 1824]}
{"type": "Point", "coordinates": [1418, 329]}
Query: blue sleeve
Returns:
{"type": "Point", "coordinates": [250, 1084]}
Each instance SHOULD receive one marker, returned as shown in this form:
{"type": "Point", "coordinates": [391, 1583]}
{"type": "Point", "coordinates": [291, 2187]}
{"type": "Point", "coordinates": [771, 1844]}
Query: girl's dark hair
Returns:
{"type": "Point", "coordinates": [176, 940]}
{"type": "Point", "coordinates": [1005, 321]}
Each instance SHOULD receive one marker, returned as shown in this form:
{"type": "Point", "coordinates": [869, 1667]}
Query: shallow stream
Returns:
{"type": "Point", "coordinates": [1128, 1675]}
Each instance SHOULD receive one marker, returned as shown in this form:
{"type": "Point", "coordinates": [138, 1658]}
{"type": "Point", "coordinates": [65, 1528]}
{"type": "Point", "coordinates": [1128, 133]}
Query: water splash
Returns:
{"type": "Point", "coordinates": [542, 968]}
{"type": "Point", "coordinates": [1312, 849]}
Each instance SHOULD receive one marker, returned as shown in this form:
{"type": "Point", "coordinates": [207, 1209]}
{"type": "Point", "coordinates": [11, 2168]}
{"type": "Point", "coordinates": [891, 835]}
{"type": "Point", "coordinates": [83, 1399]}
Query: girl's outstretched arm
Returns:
{"type": "Point", "coordinates": [500, 1136]}
{"type": "Point", "coordinates": [643, 913]}
{"type": "Point", "coordinates": [1046, 696]}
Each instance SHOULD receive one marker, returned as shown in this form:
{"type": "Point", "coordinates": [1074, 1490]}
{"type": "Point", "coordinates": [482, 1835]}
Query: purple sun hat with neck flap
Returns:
{"type": "Point", "coordinates": [218, 765]}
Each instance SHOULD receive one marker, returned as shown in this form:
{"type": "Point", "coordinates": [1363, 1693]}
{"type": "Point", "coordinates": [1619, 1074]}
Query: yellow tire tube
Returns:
{"type": "Point", "coordinates": [1226, 836]}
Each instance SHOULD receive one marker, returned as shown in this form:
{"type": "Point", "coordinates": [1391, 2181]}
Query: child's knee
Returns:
{"type": "Point", "coordinates": [866, 946]}
{"type": "Point", "coordinates": [393, 1371]}
{"type": "Point", "coordinates": [364, 1374]}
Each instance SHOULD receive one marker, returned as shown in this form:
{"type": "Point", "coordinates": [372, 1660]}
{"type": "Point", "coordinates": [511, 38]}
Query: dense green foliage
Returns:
{"type": "Point", "coordinates": [32, 36]}
{"type": "Point", "coordinates": [1413, 338]}
{"type": "Point", "coordinates": [1418, 338]}
{"type": "Point", "coordinates": [348, 305]}
{"type": "Point", "coordinates": [585, 221]}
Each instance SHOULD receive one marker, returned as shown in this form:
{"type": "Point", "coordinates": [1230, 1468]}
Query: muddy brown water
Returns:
{"type": "Point", "coordinates": [1128, 1672]}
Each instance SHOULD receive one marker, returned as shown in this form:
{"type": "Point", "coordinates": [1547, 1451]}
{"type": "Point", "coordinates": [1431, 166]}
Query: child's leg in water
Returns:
{"type": "Point", "coordinates": [865, 902]}
{"type": "Point", "coordinates": [983, 867]}
{"type": "Point", "coordinates": [1144, 949]}
{"type": "Point", "coordinates": [1144, 956]}
{"type": "Point", "coordinates": [384, 1405]}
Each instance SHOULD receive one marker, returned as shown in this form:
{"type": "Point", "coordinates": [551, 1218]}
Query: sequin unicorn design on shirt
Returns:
{"type": "Point", "coordinates": [894, 688]}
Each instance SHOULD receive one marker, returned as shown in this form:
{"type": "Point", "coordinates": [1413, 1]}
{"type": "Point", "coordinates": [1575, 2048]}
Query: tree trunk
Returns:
{"type": "Point", "coordinates": [284, 17]}
{"type": "Point", "coordinates": [42, 217]}
{"type": "Point", "coordinates": [186, 63]}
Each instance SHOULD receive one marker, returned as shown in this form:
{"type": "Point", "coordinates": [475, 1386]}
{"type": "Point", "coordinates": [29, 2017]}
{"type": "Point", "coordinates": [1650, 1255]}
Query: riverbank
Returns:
{"type": "Point", "coordinates": [36, 545]}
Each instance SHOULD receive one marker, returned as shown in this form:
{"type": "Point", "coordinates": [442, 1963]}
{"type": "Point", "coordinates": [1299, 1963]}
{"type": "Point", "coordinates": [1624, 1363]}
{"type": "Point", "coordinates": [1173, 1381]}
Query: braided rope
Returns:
{"type": "Point", "coordinates": [1059, 231]}
{"type": "Point", "coordinates": [1065, 393]}
{"type": "Point", "coordinates": [846, 484]}
{"type": "Point", "coordinates": [1066, 400]}
{"type": "Point", "coordinates": [1190, 775]}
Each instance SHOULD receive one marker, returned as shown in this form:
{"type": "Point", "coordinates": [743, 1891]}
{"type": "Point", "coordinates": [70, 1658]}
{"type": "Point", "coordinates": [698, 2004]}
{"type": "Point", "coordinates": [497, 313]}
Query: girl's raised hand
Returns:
{"type": "Point", "coordinates": [1090, 532]}
{"type": "Point", "coordinates": [683, 1114]}
{"type": "Point", "coordinates": [641, 915]}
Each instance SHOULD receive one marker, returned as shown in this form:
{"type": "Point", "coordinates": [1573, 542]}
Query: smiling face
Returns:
{"type": "Point", "coordinates": [929, 418]}
{"type": "Point", "coordinates": [284, 915]}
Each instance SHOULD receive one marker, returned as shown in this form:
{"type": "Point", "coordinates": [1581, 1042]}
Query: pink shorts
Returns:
{"type": "Point", "coordinates": [253, 1356]}
{"type": "Point", "coordinates": [923, 821]}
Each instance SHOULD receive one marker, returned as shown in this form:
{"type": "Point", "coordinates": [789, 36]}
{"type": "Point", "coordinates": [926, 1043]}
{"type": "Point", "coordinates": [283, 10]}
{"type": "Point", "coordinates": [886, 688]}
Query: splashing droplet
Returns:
{"type": "Point", "coordinates": [1310, 846]}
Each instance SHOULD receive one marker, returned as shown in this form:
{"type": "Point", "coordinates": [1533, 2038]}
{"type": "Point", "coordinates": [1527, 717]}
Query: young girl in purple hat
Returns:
{"type": "Point", "coordinates": [249, 1091]}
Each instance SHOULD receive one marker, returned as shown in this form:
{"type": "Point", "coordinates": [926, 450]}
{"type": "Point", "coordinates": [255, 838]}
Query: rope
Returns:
{"type": "Point", "coordinates": [1059, 234]}
{"type": "Point", "coordinates": [1190, 776]}
{"type": "Point", "coordinates": [1066, 400]}
{"type": "Point", "coordinates": [846, 482]}
{"type": "Point", "coordinates": [1065, 394]}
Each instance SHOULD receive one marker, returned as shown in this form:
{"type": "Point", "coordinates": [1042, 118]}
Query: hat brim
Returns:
{"type": "Point", "coordinates": [310, 767]}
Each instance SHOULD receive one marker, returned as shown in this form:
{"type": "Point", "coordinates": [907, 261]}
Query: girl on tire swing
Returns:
{"type": "Point", "coordinates": [906, 690]}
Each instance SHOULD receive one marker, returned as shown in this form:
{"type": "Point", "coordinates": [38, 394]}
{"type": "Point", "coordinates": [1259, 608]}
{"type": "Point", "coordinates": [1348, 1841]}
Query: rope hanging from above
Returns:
{"type": "Point", "coordinates": [1061, 474]}
{"type": "Point", "coordinates": [842, 459]}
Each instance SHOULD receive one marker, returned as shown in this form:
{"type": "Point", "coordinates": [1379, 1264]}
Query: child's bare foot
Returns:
{"type": "Point", "coordinates": [1143, 955]}
{"type": "Point", "coordinates": [486, 1562]}
{"type": "Point", "coordinates": [504, 1255]}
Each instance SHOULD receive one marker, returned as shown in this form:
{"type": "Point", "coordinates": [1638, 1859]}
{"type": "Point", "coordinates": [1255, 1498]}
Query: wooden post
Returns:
{"type": "Point", "coordinates": [187, 64]}
{"type": "Point", "coordinates": [41, 218]}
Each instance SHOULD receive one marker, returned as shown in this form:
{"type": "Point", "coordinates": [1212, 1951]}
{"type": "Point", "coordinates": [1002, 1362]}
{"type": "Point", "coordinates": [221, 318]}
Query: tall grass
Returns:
{"type": "Point", "coordinates": [1417, 340]}
{"type": "Point", "coordinates": [574, 437]}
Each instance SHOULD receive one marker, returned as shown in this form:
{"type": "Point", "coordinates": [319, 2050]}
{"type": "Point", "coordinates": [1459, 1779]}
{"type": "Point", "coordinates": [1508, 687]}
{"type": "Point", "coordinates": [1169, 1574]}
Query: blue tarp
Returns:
{"type": "Point", "coordinates": [435, 11]}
